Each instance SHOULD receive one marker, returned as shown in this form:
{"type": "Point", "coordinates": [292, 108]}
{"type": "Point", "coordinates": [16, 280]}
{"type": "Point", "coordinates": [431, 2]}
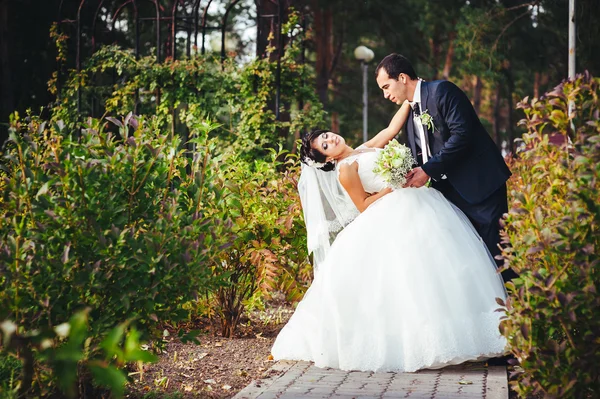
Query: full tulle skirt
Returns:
{"type": "Point", "coordinates": [407, 285]}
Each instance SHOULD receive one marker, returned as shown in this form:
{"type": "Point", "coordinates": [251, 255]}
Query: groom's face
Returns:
{"type": "Point", "coordinates": [394, 90]}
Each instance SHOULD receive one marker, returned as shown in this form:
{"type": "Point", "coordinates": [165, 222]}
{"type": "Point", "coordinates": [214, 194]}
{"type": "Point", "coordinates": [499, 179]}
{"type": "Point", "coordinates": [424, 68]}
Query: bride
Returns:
{"type": "Point", "coordinates": [406, 285]}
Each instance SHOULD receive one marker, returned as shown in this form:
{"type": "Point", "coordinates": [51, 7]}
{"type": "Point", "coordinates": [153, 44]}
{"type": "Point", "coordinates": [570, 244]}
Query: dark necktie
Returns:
{"type": "Point", "coordinates": [417, 109]}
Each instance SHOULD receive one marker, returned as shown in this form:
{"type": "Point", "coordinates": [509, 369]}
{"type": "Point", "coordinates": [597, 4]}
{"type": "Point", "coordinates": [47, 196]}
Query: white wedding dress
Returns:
{"type": "Point", "coordinates": [407, 285]}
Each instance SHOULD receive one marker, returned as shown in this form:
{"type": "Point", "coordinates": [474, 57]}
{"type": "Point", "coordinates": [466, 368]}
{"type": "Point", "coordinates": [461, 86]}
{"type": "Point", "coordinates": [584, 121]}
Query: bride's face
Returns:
{"type": "Point", "coordinates": [329, 144]}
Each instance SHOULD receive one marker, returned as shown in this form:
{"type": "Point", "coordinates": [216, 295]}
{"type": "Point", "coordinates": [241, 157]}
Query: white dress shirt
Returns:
{"type": "Point", "coordinates": [419, 129]}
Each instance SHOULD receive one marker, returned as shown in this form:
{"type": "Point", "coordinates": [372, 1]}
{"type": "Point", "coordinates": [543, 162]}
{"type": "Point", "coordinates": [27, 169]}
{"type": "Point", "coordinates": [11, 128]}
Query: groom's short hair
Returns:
{"type": "Point", "coordinates": [395, 64]}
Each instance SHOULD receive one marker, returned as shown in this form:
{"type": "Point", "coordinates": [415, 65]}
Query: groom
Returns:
{"type": "Point", "coordinates": [451, 147]}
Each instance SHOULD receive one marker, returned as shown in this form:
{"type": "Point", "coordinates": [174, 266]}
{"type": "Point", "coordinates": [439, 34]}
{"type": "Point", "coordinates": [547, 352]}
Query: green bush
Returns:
{"type": "Point", "coordinates": [71, 355]}
{"type": "Point", "coordinates": [128, 221]}
{"type": "Point", "coordinates": [269, 247]}
{"type": "Point", "coordinates": [240, 98]}
{"type": "Point", "coordinates": [115, 226]}
{"type": "Point", "coordinates": [10, 371]}
{"type": "Point", "coordinates": [552, 241]}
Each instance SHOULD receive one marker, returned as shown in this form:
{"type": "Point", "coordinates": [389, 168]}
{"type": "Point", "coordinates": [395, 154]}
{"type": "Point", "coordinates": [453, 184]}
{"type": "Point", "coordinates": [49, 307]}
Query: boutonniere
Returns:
{"type": "Point", "coordinates": [427, 120]}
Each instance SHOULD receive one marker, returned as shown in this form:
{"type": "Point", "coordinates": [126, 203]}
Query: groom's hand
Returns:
{"type": "Point", "coordinates": [416, 178]}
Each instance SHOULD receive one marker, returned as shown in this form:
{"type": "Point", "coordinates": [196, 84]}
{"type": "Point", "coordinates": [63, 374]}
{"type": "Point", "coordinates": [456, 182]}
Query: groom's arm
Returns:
{"type": "Point", "coordinates": [456, 110]}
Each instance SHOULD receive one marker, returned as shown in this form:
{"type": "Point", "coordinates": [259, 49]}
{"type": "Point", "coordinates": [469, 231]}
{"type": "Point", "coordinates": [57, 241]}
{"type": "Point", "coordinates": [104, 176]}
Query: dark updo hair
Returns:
{"type": "Point", "coordinates": [395, 64]}
{"type": "Point", "coordinates": [306, 150]}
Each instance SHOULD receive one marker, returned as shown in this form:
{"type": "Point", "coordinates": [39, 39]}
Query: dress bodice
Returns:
{"type": "Point", "coordinates": [371, 182]}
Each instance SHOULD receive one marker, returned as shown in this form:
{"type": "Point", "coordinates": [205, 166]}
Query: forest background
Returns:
{"type": "Point", "coordinates": [497, 51]}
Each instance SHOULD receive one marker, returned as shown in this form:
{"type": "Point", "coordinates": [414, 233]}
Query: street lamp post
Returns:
{"type": "Point", "coordinates": [364, 55]}
{"type": "Point", "coordinates": [572, 38]}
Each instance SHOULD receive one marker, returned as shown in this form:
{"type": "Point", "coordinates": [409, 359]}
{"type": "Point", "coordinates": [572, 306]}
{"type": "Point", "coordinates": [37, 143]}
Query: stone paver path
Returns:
{"type": "Point", "coordinates": [288, 379]}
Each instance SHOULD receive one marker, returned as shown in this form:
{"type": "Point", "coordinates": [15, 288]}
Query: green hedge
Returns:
{"type": "Point", "coordinates": [114, 227]}
{"type": "Point", "coordinates": [111, 227]}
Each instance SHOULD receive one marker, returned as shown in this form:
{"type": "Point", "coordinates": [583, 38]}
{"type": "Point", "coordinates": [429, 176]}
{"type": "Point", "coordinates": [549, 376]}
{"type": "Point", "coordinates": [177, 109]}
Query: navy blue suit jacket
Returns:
{"type": "Point", "coordinates": [461, 148]}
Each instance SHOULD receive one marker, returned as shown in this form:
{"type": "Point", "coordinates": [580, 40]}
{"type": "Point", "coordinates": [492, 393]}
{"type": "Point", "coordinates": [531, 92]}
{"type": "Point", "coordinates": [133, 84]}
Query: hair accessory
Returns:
{"type": "Point", "coordinates": [312, 163]}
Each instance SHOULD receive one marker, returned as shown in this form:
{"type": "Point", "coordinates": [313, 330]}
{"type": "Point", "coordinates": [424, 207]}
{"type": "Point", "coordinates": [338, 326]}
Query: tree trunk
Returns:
{"type": "Point", "coordinates": [7, 99]}
{"type": "Point", "coordinates": [497, 101]}
{"type": "Point", "coordinates": [434, 47]}
{"type": "Point", "coordinates": [265, 25]}
{"type": "Point", "coordinates": [477, 93]}
{"type": "Point", "coordinates": [335, 122]}
{"type": "Point", "coordinates": [297, 136]}
{"type": "Point", "coordinates": [511, 88]}
{"type": "Point", "coordinates": [324, 48]}
{"type": "Point", "coordinates": [544, 78]}
{"type": "Point", "coordinates": [539, 83]}
{"type": "Point", "coordinates": [536, 85]}
{"type": "Point", "coordinates": [510, 129]}
{"type": "Point", "coordinates": [449, 56]}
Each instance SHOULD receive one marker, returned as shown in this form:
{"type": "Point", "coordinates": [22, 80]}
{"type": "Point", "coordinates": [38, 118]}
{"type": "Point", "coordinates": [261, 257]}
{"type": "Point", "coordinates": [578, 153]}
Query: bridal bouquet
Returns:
{"type": "Point", "coordinates": [393, 163]}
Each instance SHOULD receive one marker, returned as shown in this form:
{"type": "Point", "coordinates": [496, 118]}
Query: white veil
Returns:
{"type": "Point", "coordinates": [327, 209]}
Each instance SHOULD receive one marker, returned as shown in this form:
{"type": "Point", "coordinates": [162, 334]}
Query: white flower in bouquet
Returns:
{"type": "Point", "coordinates": [393, 163]}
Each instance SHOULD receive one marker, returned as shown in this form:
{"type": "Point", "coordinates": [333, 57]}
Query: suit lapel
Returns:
{"type": "Point", "coordinates": [431, 137]}
{"type": "Point", "coordinates": [424, 98]}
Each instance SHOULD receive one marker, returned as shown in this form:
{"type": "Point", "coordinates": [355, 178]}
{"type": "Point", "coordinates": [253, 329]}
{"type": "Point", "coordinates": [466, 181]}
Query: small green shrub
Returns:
{"type": "Point", "coordinates": [71, 354]}
{"type": "Point", "coordinates": [552, 236]}
{"type": "Point", "coordinates": [269, 246]}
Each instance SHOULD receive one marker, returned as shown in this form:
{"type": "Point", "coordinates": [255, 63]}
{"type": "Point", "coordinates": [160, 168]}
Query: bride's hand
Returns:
{"type": "Point", "coordinates": [374, 197]}
{"type": "Point", "coordinates": [385, 191]}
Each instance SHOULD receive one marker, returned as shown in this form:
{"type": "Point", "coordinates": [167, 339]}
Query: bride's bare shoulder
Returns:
{"type": "Point", "coordinates": [348, 170]}
{"type": "Point", "coordinates": [347, 167]}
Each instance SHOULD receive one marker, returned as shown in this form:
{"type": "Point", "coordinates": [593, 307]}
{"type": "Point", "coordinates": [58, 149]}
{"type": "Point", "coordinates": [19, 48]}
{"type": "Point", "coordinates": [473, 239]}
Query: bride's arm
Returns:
{"type": "Point", "coordinates": [351, 182]}
{"type": "Point", "coordinates": [387, 134]}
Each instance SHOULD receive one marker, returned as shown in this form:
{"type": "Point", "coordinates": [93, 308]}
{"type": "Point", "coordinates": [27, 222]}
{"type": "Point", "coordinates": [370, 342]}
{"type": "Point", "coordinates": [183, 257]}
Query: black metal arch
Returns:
{"type": "Point", "coordinates": [187, 25]}
{"type": "Point", "coordinates": [204, 15]}
{"type": "Point", "coordinates": [180, 18]}
{"type": "Point", "coordinates": [136, 17]}
{"type": "Point", "coordinates": [224, 27]}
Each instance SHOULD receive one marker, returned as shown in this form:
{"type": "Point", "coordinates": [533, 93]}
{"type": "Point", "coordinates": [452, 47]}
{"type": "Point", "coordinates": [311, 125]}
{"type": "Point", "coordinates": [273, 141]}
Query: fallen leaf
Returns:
{"type": "Point", "coordinates": [208, 388]}
{"type": "Point", "coordinates": [186, 376]}
{"type": "Point", "coordinates": [188, 388]}
{"type": "Point", "coordinates": [218, 344]}
{"type": "Point", "coordinates": [270, 357]}
{"type": "Point", "coordinates": [200, 356]}
{"type": "Point", "coordinates": [465, 382]}
{"type": "Point", "coordinates": [226, 387]}
{"type": "Point", "coordinates": [210, 381]}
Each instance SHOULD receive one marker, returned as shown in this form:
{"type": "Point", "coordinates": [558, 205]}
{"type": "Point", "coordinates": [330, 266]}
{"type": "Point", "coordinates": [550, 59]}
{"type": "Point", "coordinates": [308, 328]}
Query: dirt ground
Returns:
{"type": "Point", "coordinates": [218, 367]}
